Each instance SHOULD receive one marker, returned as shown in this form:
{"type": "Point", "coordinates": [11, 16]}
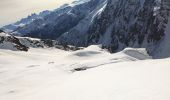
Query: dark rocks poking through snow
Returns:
{"type": "Point", "coordinates": [1, 31]}
{"type": "Point", "coordinates": [12, 43]}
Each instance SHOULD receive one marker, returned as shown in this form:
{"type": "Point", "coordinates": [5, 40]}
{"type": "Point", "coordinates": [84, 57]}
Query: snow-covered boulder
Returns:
{"type": "Point", "coordinates": [11, 43]}
{"type": "Point", "coordinates": [138, 53]}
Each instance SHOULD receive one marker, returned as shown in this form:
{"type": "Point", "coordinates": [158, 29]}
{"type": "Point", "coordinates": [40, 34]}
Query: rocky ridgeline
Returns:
{"type": "Point", "coordinates": [11, 42]}
{"type": "Point", "coordinates": [24, 43]}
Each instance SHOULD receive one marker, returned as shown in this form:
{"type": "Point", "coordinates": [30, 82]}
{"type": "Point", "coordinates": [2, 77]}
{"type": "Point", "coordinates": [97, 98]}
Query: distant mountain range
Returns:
{"type": "Point", "coordinates": [16, 43]}
{"type": "Point", "coordinates": [115, 24]}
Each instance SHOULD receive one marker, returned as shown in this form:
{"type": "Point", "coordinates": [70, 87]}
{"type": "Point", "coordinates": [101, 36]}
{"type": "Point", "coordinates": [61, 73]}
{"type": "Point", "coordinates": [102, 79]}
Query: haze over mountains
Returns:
{"type": "Point", "coordinates": [13, 10]}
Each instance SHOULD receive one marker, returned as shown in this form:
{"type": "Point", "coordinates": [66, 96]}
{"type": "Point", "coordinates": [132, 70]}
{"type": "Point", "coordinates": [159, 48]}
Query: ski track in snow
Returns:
{"type": "Point", "coordinates": [88, 74]}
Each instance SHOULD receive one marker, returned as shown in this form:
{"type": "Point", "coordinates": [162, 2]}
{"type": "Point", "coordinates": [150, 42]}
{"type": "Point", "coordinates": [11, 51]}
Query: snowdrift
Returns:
{"type": "Point", "coordinates": [88, 74]}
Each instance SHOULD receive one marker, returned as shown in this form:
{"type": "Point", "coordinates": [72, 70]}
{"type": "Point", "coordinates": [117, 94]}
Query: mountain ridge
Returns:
{"type": "Point", "coordinates": [115, 24]}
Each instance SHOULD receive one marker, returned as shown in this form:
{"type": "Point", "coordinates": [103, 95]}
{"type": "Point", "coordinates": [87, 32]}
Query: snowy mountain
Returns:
{"type": "Point", "coordinates": [128, 23]}
{"type": "Point", "coordinates": [112, 57]}
{"type": "Point", "coordinates": [116, 24]}
{"type": "Point", "coordinates": [52, 24]}
{"type": "Point", "coordinates": [12, 28]}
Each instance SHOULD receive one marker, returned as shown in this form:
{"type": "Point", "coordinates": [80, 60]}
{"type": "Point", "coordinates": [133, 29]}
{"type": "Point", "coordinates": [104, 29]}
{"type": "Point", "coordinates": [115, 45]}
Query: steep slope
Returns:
{"type": "Point", "coordinates": [164, 47]}
{"type": "Point", "coordinates": [131, 24]}
{"type": "Point", "coordinates": [77, 35]}
{"type": "Point", "coordinates": [116, 24]}
{"type": "Point", "coordinates": [57, 22]}
{"type": "Point", "coordinates": [127, 23]}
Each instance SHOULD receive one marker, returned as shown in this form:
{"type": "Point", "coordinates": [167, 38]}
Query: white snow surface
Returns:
{"type": "Point", "coordinates": [3, 34]}
{"type": "Point", "coordinates": [48, 74]}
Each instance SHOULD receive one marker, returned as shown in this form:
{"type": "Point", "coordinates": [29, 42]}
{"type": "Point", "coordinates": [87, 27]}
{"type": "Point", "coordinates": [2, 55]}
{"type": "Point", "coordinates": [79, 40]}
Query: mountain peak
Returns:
{"type": "Point", "coordinates": [115, 24]}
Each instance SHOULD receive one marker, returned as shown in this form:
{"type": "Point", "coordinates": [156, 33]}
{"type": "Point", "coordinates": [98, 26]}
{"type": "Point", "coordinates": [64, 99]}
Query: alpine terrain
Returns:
{"type": "Point", "coordinates": [116, 24]}
{"type": "Point", "coordinates": [88, 50]}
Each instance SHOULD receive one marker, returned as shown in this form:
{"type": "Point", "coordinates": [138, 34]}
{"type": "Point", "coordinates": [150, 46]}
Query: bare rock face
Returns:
{"type": "Point", "coordinates": [124, 23]}
{"type": "Point", "coordinates": [134, 23]}
{"type": "Point", "coordinates": [1, 31]}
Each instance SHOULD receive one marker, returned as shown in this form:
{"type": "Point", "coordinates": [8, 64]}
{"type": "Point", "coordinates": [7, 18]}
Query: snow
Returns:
{"type": "Point", "coordinates": [78, 2]}
{"type": "Point", "coordinates": [99, 11]}
{"type": "Point", "coordinates": [81, 29]}
{"type": "Point", "coordinates": [3, 34]}
{"type": "Point", "coordinates": [139, 54]}
{"type": "Point", "coordinates": [50, 74]}
{"type": "Point", "coordinates": [8, 45]}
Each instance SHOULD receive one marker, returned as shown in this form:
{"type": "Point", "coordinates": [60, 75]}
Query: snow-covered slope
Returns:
{"type": "Point", "coordinates": [77, 35]}
{"type": "Point", "coordinates": [88, 74]}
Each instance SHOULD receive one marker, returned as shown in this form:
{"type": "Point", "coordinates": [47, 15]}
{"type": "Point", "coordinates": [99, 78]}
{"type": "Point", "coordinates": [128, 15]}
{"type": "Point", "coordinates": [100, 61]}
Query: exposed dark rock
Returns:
{"type": "Point", "coordinates": [1, 31]}
{"type": "Point", "coordinates": [132, 21]}
{"type": "Point", "coordinates": [13, 41]}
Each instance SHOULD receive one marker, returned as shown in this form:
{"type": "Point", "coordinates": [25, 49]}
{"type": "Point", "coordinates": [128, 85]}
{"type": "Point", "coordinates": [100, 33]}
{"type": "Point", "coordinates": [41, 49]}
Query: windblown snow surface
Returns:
{"type": "Point", "coordinates": [88, 74]}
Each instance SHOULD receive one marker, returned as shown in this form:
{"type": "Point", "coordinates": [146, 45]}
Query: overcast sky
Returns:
{"type": "Point", "coordinates": [13, 10]}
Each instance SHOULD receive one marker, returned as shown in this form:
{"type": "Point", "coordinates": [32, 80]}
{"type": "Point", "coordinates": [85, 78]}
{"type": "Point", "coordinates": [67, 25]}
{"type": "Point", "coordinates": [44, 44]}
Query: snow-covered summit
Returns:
{"type": "Point", "coordinates": [51, 24]}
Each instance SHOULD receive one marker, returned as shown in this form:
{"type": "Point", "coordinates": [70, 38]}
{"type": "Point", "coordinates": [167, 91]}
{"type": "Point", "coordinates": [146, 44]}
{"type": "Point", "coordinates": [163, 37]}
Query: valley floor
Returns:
{"type": "Point", "coordinates": [89, 74]}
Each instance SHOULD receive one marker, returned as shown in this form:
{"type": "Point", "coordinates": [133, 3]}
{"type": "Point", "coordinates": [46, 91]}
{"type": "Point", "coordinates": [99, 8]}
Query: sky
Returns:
{"type": "Point", "coordinates": [13, 10]}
